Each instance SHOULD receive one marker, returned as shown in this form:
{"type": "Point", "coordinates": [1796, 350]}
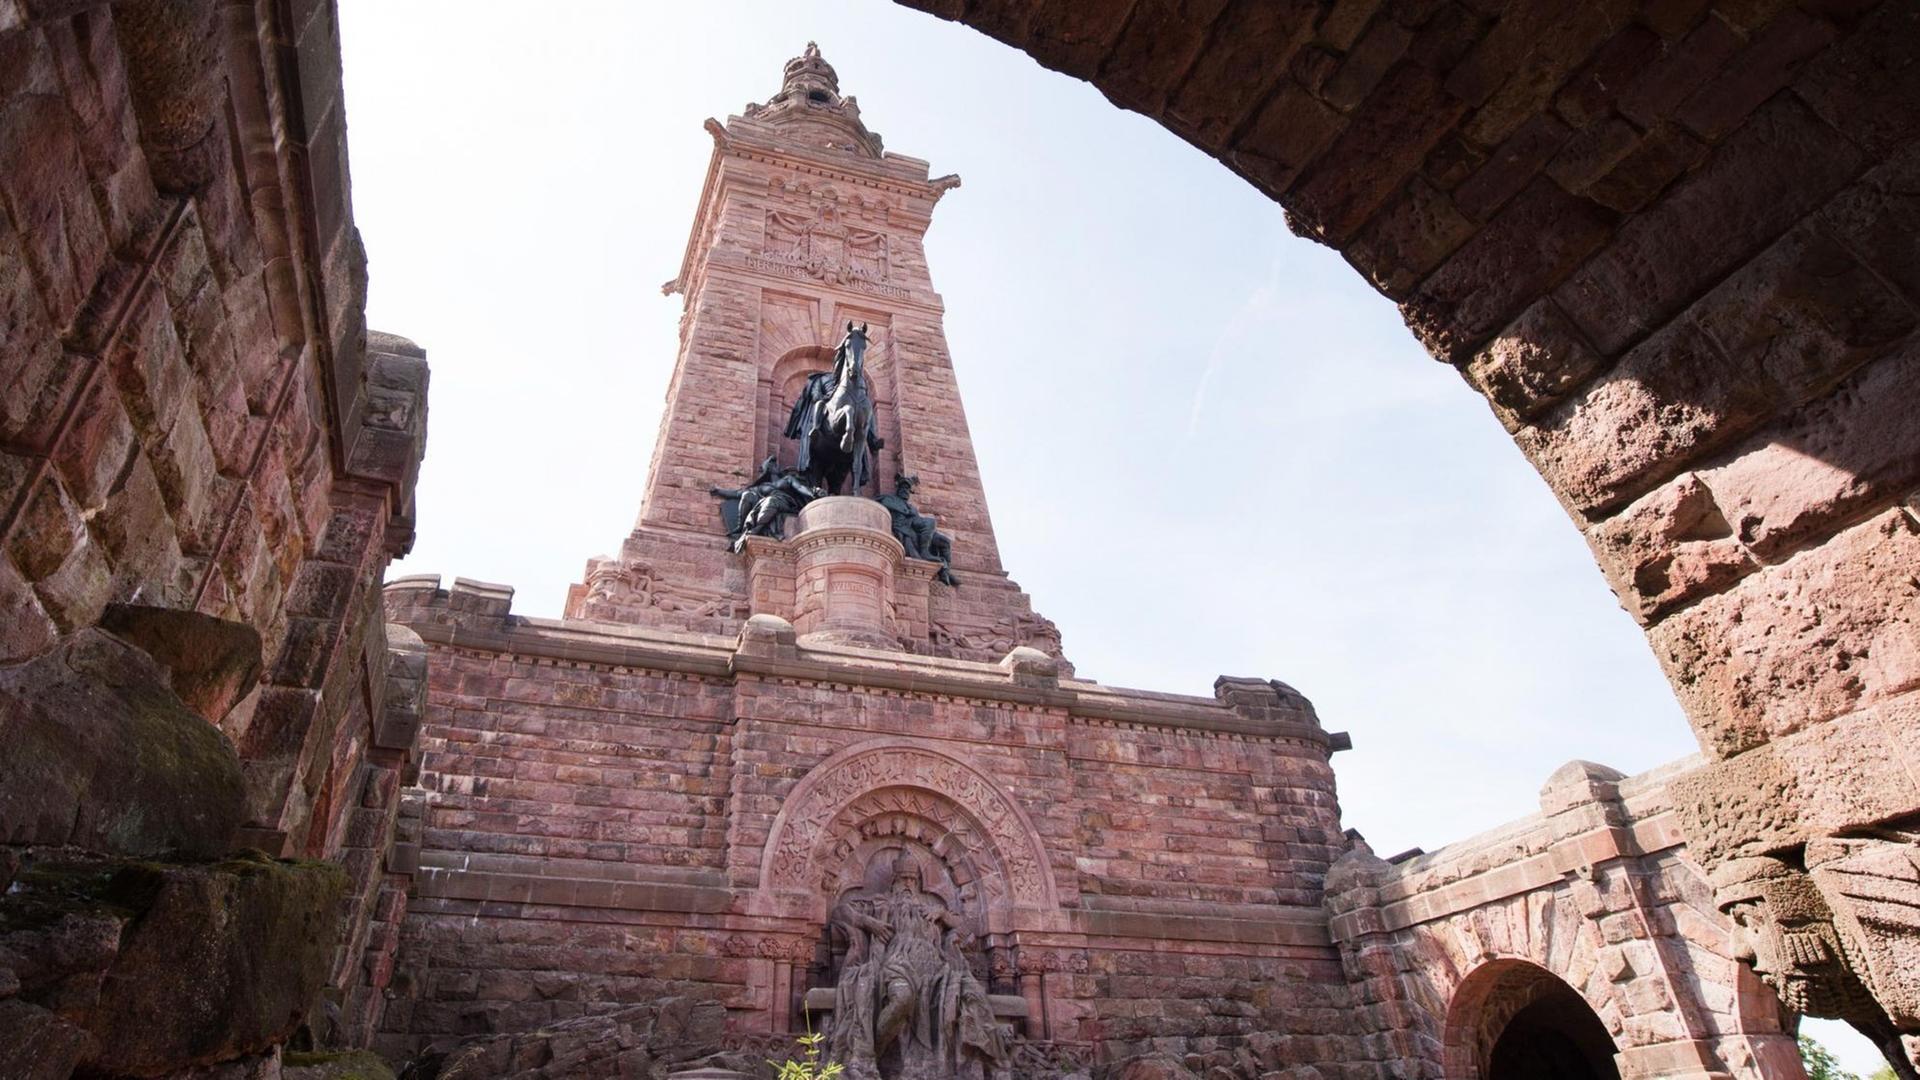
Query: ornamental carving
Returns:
{"type": "Point", "coordinates": [828, 239]}
{"type": "Point", "coordinates": [821, 827]}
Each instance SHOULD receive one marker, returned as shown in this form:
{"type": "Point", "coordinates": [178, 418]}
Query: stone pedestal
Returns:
{"type": "Point", "coordinates": [844, 558]}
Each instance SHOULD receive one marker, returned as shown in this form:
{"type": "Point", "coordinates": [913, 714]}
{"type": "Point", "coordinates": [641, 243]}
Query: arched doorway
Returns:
{"type": "Point", "coordinates": [1515, 1020]}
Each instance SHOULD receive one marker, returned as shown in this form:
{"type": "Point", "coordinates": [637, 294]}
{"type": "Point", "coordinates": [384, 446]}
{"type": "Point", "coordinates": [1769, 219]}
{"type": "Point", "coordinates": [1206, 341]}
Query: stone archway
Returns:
{"type": "Point", "coordinates": [1512, 1019]}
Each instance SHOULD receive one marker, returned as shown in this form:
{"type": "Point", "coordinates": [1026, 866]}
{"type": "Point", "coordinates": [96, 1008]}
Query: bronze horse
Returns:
{"type": "Point", "coordinates": [833, 419]}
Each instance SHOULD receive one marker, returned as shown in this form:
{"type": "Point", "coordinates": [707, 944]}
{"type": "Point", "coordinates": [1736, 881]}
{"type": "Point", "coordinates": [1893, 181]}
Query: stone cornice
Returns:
{"type": "Point", "coordinates": [583, 642]}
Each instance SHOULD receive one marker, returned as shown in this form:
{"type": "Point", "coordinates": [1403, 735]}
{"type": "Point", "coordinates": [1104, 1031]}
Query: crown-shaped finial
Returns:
{"type": "Point", "coordinates": [811, 78]}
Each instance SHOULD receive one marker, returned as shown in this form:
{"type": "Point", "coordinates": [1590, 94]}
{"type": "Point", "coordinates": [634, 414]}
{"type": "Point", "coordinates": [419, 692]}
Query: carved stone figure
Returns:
{"type": "Point", "coordinates": [917, 532]}
{"type": "Point", "coordinates": [907, 1005]}
{"type": "Point", "coordinates": [1789, 935]}
{"type": "Point", "coordinates": [833, 420]}
{"type": "Point", "coordinates": [763, 507]}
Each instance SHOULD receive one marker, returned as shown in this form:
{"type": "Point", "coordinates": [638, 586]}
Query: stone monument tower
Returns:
{"type": "Point", "coordinates": [803, 752]}
{"type": "Point", "coordinates": [803, 749]}
{"type": "Point", "coordinates": [806, 227]}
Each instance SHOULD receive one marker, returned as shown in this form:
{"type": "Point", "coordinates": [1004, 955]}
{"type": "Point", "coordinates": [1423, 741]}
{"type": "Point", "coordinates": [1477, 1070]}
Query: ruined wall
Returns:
{"type": "Point", "coordinates": [613, 815]}
{"type": "Point", "coordinates": [1672, 244]}
{"type": "Point", "coordinates": [204, 469]}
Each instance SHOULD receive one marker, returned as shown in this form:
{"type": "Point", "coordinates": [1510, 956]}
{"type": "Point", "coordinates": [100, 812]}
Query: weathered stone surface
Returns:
{"type": "Point", "coordinates": [1843, 776]}
{"type": "Point", "coordinates": [1828, 631]}
{"type": "Point", "coordinates": [1523, 252]}
{"type": "Point", "coordinates": [170, 965]}
{"type": "Point", "coordinates": [210, 663]}
{"type": "Point", "coordinates": [103, 755]}
{"type": "Point", "coordinates": [1383, 142]}
{"type": "Point", "coordinates": [222, 962]}
{"type": "Point", "coordinates": [1670, 548]}
{"type": "Point", "coordinates": [38, 1045]}
{"type": "Point", "coordinates": [1780, 165]}
{"type": "Point", "coordinates": [334, 1065]}
{"type": "Point", "coordinates": [1849, 452]}
{"type": "Point", "coordinates": [638, 1041]}
{"type": "Point", "coordinates": [1153, 1067]}
{"type": "Point", "coordinates": [1664, 401]}
{"type": "Point", "coordinates": [1533, 363]}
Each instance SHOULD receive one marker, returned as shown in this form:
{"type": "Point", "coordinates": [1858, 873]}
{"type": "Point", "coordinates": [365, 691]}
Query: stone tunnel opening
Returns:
{"type": "Point", "coordinates": [1557, 1037]}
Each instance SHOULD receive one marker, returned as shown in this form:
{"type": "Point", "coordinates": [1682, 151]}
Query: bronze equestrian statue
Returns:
{"type": "Point", "coordinates": [833, 420]}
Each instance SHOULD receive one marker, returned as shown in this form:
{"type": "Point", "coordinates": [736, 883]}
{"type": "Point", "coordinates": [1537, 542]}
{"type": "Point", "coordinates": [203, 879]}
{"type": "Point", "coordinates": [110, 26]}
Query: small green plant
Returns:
{"type": "Point", "coordinates": [809, 1069]}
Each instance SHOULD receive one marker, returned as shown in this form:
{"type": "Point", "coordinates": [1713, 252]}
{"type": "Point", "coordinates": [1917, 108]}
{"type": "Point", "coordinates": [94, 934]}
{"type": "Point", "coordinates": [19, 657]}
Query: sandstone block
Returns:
{"type": "Point", "coordinates": [1519, 255]}
{"type": "Point", "coordinates": [1667, 399]}
{"type": "Point", "coordinates": [1384, 141]}
{"type": "Point", "coordinates": [210, 663]}
{"type": "Point", "coordinates": [93, 455]}
{"type": "Point", "coordinates": [1645, 169]}
{"type": "Point", "coordinates": [1801, 315]}
{"type": "Point", "coordinates": [1246, 49]}
{"type": "Point", "coordinates": [27, 630]}
{"type": "Point", "coordinates": [1780, 165]}
{"type": "Point", "coordinates": [39, 1045]}
{"type": "Point", "coordinates": [1834, 458]}
{"type": "Point", "coordinates": [1868, 86]}
{"type": "Point", "coordinates": [1533, 363]}
{"type": "Point", "coordinates": [1770, 60]}
{"type": "Point", "coordinates": [1838, 777]}
{"type": "Point", "coordinates": [203, 962]}
{"type": "Point", "coordinates": [1830, 630]}
{"type": "Point", "coordinates": [1670, 548]}
{"type": "Point", "coordinates": [1409, 238]}
{"type": "Point", "coordinates": [60, 227]}
{"type": "Point", "coordinates": [1877, 217]}
{"type": "Point", "coordinates": [1589, 96]}
{"type": "Point", "coordinates": [103, 755]}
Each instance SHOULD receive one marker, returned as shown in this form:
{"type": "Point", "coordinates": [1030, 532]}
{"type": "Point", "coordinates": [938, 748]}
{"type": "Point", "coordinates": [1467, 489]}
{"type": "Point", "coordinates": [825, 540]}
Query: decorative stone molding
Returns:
{"type": "Point", "coordinates": [819, 826]}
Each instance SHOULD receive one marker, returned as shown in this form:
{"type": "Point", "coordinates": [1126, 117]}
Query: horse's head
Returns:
{"type": "Point", "coordinates": [853, 347]}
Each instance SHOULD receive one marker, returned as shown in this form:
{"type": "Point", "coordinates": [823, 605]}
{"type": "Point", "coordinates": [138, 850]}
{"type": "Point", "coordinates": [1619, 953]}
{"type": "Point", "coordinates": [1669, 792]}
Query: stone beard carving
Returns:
{"type": "Point", "coordinates": [907, 1006]}
{"type": "Point", "coordinates": [763, 507]}
{"type": "Point", "coordinates": [916, 531]}
{"type": "Point", "coordinates": [1820, 962]}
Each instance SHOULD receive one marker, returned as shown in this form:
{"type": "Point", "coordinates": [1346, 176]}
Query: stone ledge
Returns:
{"type": "Point", "coordinates": [596, 643]}
{"type": "Point", "coordinates": [1165, 927]}
{"type": "Point", "coordinates": [1005, 1006]}
{"type": "Point", "coordinates": [443, 884]}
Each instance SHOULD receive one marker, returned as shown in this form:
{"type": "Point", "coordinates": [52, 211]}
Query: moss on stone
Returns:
{"type": "Point", "coordinates": [335, 1065]}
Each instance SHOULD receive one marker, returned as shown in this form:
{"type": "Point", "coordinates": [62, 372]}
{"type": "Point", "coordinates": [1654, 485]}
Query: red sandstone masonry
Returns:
{"type": "Point", "coordinates": [757, 321]}
{"type": "Point", "coordinates": [194, 417]}
{"type": "Point", "coordinates": [600, 804]}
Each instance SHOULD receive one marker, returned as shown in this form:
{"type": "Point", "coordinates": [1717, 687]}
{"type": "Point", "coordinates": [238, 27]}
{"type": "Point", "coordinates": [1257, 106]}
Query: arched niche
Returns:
{"type": "Point", "coordinates": [905, 792]}
{"type": "Point", "coordinates": [781, 385]}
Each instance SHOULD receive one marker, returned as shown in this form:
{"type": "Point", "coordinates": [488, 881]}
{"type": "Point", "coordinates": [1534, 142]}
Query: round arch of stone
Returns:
{"type": "Point", "coordinates": [880, 789]}
{"type": "Point", "coordinates": [1504, 995]}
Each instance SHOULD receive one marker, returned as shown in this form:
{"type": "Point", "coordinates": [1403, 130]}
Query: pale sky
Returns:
{"type": "Point", "coordinates": [1208, 446]}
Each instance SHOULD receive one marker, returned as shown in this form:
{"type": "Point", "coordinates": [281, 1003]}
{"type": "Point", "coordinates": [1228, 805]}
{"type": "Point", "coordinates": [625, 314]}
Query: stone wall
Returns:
{"type": "Point", "coordinates": [616, 814]}
{"type": "Point", "coordinates": [1597, 893]}
{"type": "Point", "coordinates": [205, 466]}
{"type": "Point", "coordinates": [1672, 245]}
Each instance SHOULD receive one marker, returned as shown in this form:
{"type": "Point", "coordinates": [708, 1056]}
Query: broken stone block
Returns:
{"type": "Point", "coordinates": [103, 755]}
